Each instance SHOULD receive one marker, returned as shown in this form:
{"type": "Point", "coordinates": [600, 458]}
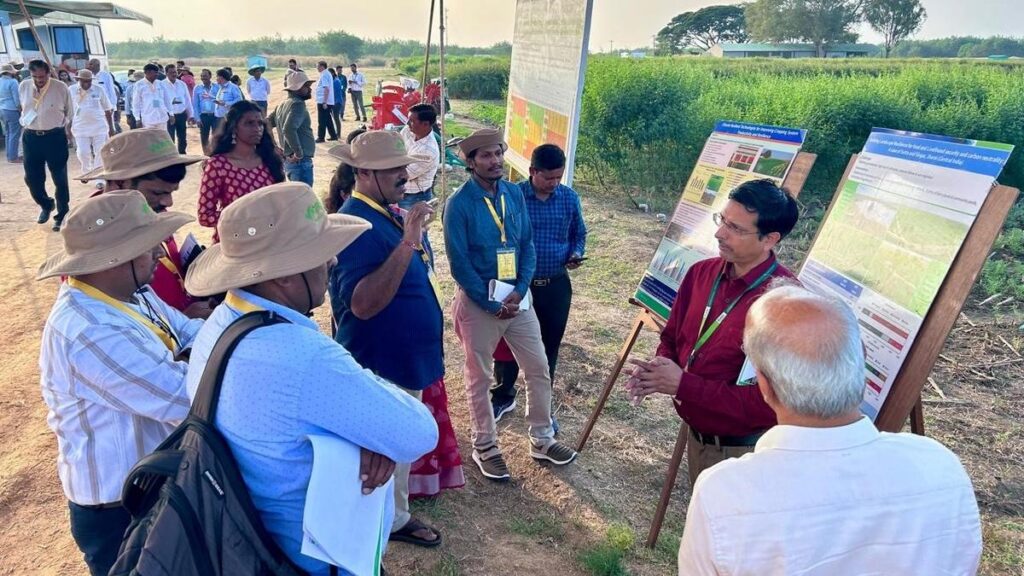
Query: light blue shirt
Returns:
{"type": "Point", "coordinates": [9, 99]}
{"type": "Point", "coordinates": [285, 382]}
{"type": "Point", "coordinates": [202, 105]}
{"type": "Point", "coordinates": [227, 93]}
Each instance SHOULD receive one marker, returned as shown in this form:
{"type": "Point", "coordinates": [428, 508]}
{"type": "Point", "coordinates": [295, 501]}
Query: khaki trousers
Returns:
{"type": "Point", "coordinates": [700, 457]}
{"type": "Point", "coordinates": [479, 332]}
{"type": "Point", "coordinates": [402, 514]}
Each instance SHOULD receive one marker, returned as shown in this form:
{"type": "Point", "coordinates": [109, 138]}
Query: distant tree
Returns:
{"type": "Point", "coordinates": [702, 29]}
{"type": "Point", "coordinates": [895, 20]}
{"type": "Point", "coordinates": [822, 23]}
{"type": "Point", "coordinates": [189, 49]}
{"type": "Point", "coordinates": [340, 42]}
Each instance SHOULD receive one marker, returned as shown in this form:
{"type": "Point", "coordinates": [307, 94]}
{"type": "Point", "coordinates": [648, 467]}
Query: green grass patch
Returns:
{"type": "Point", "coordinates": [447, 565]}
{"type": "Point", "coordinates": [605, 558]}
{"type": "Point", "coordinates": [1004, 547]}
{"type": "Point", "coordinates": [492, 113]}
{"type": "Point", "coordinates": [543, 526]}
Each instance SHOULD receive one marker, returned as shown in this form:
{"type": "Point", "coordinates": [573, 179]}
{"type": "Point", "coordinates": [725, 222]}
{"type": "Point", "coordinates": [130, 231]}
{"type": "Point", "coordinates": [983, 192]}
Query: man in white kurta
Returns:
{"type": "Point", "coordinates": [92, 121]}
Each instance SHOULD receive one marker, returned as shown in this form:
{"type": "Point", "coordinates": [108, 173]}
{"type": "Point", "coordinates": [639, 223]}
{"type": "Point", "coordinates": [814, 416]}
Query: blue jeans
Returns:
{"type": "Point", "coordinates": [12, 132]}
{"type": "Point", "coordinates": [408, 200]}
{"type": "Point", "coordinates": [301, 171]}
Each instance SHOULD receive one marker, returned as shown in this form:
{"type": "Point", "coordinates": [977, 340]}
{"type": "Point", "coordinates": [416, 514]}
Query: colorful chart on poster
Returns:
{"type": "Point", "coordinates": [549, 55]}
{"type": "Point", "coordinates": [892, 235]}
{"type": "Point", "coordinates": [734, 153]}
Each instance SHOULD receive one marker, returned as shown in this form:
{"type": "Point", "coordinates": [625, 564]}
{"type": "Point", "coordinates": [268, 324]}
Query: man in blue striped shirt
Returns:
{"type": "Point", "coordinates": [559, 239]}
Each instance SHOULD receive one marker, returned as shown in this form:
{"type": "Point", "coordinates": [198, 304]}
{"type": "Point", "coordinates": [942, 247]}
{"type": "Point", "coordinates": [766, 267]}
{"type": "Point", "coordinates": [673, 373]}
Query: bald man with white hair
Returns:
{"type": "Point", "coordinates": [824, 492]}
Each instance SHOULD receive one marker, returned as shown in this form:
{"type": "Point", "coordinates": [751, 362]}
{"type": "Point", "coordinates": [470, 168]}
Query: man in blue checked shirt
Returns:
{"type": "Point", "coordinates": [559, 238]}
{"type": "Point", "coordinates": [204, 106]}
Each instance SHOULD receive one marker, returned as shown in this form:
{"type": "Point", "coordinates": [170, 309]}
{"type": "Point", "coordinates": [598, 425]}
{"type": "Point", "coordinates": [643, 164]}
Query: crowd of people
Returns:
{"type": "Point", "coordinates": [787, 475]}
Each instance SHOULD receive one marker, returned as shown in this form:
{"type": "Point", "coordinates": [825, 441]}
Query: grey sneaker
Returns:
{"type": "Point", "coordinates": [555, 452]}
{"type": "Point", "coordinates": [491, 464]}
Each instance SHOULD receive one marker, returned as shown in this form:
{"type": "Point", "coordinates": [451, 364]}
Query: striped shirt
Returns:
{"type": "Point", "coordinates": [113, 389]}
{"type": "Point", "coordinates": [558, 228]}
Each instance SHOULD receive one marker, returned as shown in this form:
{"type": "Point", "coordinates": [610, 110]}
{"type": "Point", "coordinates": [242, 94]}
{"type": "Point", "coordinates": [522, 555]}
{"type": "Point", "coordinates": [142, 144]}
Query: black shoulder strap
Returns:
{"type": "Point", "coordinates": [204, 407]}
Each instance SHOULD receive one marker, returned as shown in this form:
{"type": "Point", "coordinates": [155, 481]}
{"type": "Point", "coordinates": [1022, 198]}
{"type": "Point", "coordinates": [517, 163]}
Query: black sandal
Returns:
{"type": "Point", "coordinates": [407, 534]}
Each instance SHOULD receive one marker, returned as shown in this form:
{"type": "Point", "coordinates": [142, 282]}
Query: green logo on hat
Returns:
{"type": "Point", "coordinates": [161, 146]}
{"type": "Point", "coordinates": [146, 208]}
{"type": "Point", "coordinates": [315, 211]}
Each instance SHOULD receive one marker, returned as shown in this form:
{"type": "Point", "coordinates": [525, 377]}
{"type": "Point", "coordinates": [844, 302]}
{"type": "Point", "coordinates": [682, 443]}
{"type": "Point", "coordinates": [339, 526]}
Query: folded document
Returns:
{"type": "Point", "coordinates": [498, 291]}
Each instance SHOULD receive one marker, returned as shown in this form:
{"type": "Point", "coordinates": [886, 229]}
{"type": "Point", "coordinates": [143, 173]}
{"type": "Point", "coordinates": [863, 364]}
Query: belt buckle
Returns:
{"type": "Point", "coordinates": [540, 282]}
{"type": "Point", "coordinates": [40, 132]}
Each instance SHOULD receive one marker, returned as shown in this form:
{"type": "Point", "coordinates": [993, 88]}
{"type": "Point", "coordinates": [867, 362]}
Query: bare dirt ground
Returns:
{"type": "Point", "coordinates": [588, 518]}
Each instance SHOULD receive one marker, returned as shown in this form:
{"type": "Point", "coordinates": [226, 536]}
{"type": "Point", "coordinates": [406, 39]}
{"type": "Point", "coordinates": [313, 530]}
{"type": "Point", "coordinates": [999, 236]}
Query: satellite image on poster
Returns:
{"type": "Point", "coordinates": [892, 235]}
{"type": "Point", "coordinates": [734, 153]}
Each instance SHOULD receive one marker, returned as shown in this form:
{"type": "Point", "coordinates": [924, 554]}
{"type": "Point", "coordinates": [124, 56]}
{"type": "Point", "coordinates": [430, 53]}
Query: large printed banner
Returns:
{"type": "Point", "coordinates": [734, 153]}
{"type": "Point", "coordinates": [549, 56]}
{"type": "Point", "coordinates": [893, 234]}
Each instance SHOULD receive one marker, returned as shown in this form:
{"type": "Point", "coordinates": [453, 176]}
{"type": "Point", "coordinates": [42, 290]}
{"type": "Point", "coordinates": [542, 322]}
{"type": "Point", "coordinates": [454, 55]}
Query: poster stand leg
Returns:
{"type": "Point", "coordinates": [670, 484]}
{"type": "Point", "coordinates": [917, 418]}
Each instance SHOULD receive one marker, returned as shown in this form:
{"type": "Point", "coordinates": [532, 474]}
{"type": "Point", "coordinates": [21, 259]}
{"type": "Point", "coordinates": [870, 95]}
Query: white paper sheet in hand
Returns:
{"type": "Point", "coordinates": [499, 290]}
{"type": "Point", "coordinates": [340, 525]}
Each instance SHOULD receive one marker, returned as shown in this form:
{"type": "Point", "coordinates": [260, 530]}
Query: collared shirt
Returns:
{"type": "Point", "coordinates": [105, 80]}
{"type": "Point", "coordinates": [340, 85]}
{"type": "Point", "coordinates": [203, 100]}
{"type": "Point", "coordinates": [294, 127]}
{"type": "Point", "coordinates": [558, 228]}
{"type": "Point", "coordinates": [472, 239]}
{"type": "Point", "coordinates": [180, 103]}
{"type": "Point", "coordinates": [128, 91]}
{"type": "Point", "coordinates": [9, 99]}
{"type": "Point", "coordinates": [356, 81]}
{"type": "Point", "coordinates": [53, 109]}
{"type": "Point", "coordinates": [834, 501]}
{"type": "Point", "coordinates": [325, 88]}
{"type": "Point", "coordinates": [708, 398]}
{"type": "Point", "coordinates": [259, 90]}
{"type": "Point", "coordinates": [225, 95]}
{"type": "Point", "coordinates": [113, 389]}
{"type": "Point", "coordinates": [285, 382]}
{"type": "Point", "coordinates": [152, 102]}
{"type": "Point", "coordinates": [375, 343]}
{"type": "Point", "coordinates": [91, 106]}
{"type": "Point", "coordinates": [428, 157]}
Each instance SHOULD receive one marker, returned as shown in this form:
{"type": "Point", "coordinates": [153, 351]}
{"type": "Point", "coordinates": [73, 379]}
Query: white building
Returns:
{"type": "Point", "coordinates": [755, 50]}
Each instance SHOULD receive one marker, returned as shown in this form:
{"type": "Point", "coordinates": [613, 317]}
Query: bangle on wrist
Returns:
{"type": "Point", "coordinates": [415, 247]}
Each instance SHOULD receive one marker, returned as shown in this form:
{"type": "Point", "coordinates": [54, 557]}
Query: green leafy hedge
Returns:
{"type": "Point", "coordinates": [469, 77]}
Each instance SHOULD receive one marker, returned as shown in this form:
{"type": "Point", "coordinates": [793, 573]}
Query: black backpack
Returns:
{"type": "Point", "coordinates": [191, 511]}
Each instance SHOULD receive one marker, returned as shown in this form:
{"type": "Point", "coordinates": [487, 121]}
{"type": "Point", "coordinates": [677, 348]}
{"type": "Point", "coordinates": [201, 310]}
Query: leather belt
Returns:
{"type": "Point", "coordinates": [729, 441]}
{"type": "Point", "coordinates": [44, 132]}
{"type": "Point", "coordinates": [100, 506]}
{"type": "Point", "coordinates": [541, 282]}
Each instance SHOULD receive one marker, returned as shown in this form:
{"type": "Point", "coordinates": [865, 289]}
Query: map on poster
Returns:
{"type": "Point", "coordinates": [734, 153]}
{"type": "Point", "coordinates": [549, 56]}
{"type": "Point", "coordinates": [892, 235]}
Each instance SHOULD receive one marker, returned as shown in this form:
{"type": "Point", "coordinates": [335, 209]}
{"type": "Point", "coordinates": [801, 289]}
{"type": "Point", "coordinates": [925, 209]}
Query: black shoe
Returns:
{"type": "Point", "coordinates": [319, 140]}
{"type": "Point", "coordinates": [503, 407]}
{"type": "Point", "coordinates": [332, 139]}
{"type": "Point", "coordinates": [44, 215]}
{"type": "Point", "coordinates": [56, 225]}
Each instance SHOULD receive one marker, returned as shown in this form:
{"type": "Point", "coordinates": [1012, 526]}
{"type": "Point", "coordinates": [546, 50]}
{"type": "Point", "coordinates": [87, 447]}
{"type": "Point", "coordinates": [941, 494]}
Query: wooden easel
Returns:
{"type": "Point", "coordinates": [794, 183]}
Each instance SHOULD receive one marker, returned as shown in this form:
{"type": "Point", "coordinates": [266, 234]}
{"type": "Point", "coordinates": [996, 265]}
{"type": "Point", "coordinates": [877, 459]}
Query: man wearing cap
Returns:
{"type": "Point", "coordinates": [10, 111]}
{"type": "Point", "coordinates": [324, 103]}
{"type": "Point", "coordinates": [110, 361]}
{"type": "Point", "coordinates": [146, 160]}
{"type": "Point", "coordinates": [45, 115]}
{"type": "Point", "coordinates": [152, 100]}
{"type": "Point", "coordinates": [203, 107]}
{"type": "Point", "coordinates": [295, 129]}
{"type": "Point", "coordinates": [92, 123]}
{"type": "Point", "coordinates": [289, 380]}
{"type": "Point", "coordinates": [106, 82]}
{"type": "Point", "coordinates": [181, 107]}
{"type": "Point", "coordinates": [489, 242]}
{"type": "Point", "coordinates": [186, 76]}
{"type": "Point", "coordinates": [384, 280]}
{"type": "Point", "coordinates": [258, 87]}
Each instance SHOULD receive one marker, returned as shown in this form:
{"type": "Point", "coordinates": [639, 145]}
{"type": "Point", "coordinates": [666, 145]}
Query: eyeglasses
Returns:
{"type": "Point", "coordinates": [730, 226]}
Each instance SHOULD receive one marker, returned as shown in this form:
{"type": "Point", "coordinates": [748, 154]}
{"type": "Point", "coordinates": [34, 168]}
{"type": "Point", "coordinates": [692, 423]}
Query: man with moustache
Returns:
{"type": "Point", "coordinates": [181, 107]}
{"type": "Point", "coordinates": [701, 354]}
{"type": "Point", "coordinates": [204, 106]}
{"type": "Point", "coordinates": [295, 129]}
{"type": "Point", "coordinates": [46, 115]}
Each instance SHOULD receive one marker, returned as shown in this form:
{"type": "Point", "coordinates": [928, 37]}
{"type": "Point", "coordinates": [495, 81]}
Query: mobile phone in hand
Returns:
{"type": "Point", "coordinates": [579, 260]}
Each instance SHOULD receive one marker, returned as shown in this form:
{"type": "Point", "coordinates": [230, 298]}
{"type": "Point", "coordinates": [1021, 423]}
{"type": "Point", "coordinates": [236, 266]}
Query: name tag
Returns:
{"type": "Point", "coordinates": [28, 117]}
{"type": "Point", "coordinates": [507, 268]}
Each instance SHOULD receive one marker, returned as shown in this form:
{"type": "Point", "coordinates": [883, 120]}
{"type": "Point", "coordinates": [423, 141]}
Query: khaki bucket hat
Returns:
{"type": "Point", "coordinates": [8, 69]}
{"type": "Point", "coordinates": [136, 153]}
{"type": "Point", "coordinates": [276, 231]}
{"type": "Point", "coordinates": [374, 150]}
{"type": "Point", "coordinates": [296, 80]}
{"type": "Point", "coordinates": [84, 74]}
{"type": "Point", "coordinates": [108, 230]}
{"type": "Point", "coordinates": [480, 138]}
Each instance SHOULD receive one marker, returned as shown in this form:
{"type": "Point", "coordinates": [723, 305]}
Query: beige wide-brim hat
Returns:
{"type": "Point", "coordinates": [108, 230]}
{"type": "Point", "coordinates": [135, 153]}
{"type": "Point", "coordinates": [479, 139]}
{"type": "Point", "coordinates": [276, 231]}
{"type": "Point", "coordinates": [139, 75]}
{"type": "Point", "coordinates": [84, 74]}
{"type": "Point", "coordinates": [296, 80]}
{"type": "Point", "coordinates": [8, 69]}
{"type": "Point", "coordinates": [374, 150]}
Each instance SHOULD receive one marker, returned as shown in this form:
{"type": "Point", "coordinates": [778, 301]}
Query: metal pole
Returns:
{"type": "Point", "coordinates": [444, 91]}
{"type": "Point", "coordinates": [426, 58]}
{"type": "Point", "coordinates": [35, 34]}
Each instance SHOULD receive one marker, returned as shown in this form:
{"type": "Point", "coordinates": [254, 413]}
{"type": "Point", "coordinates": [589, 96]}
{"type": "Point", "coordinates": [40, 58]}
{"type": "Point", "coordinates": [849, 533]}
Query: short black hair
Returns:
{"type": "Point", "coordinates": [353, 134]}
{"type": "Point", "coordinates": [182, 62]}
{"type": "Point", "coordinates": [173, 174]}
{"type": "Point", "coordinates": [322, 63]}
{"type": "Point", "coordinates": [131, 71]}
{"type": "Point", "coordinates": [39, 65]}
{"type": "Point", "coordinates": [547, 157]}
{"type": "Point", "coordinates": [151, 68]}
{"type": "Point", "coordinates": [424, 113]}
{"type": "Point", "coordinates": [207, 70]}
{"type": "Point", "coordinates": [292, 61]}
{"type": "Point", "coordinates": [225, 74]}
{"type": "Point", "coordinates": [169, 67]}
{"type": "Point", "coordinates": [776, 209]}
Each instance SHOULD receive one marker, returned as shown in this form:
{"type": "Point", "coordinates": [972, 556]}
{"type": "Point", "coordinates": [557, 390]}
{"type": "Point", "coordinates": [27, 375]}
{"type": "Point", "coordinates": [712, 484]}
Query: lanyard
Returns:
{"type": "Point", "coordinates": [240, 304]}
{"type": "Point", "coordinates": [705, 335]}
{"type": "Point", "coordinates": [42, 94]}
{"type": "Point", "coordinates": [158, 326]}
{"type": "Point", "coordinates": [499, 222]}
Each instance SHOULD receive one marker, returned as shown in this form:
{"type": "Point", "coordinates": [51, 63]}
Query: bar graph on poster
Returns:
{"type": "Point", "coordinates": [549, 56]}
{"type": "Point", "coordinates": [892, 235]}
{"type": "Point", "coordinates": [735, 153]}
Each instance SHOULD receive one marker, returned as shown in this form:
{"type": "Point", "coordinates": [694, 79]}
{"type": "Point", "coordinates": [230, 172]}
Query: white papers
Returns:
{"type": "Point", "coordinates": [340, 525]}
{"type": "Point", "coordinates": [497, 292]}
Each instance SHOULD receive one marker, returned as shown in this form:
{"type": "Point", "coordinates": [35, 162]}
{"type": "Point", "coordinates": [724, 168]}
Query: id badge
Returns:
{"type": "Point", "coordinates": [28, 117]}
{"type": "Point", "coordinates": [157, 102]}
{"type": "Point", "coordinates": [507, 269]}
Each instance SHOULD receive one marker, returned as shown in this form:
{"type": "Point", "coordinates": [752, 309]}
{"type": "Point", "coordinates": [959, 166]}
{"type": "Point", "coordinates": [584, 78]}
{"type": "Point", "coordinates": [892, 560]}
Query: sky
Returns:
{"type": "Point", "coordinates": [619, 23]}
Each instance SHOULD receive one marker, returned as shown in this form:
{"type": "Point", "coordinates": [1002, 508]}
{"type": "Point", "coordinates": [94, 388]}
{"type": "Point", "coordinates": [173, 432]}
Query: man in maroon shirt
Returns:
{"type": "Point", "coordinates": [701, 354]}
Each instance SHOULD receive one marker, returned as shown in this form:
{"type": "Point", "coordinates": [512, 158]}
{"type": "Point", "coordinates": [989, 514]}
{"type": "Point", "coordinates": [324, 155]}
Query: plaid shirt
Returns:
{"type": "Point", "coordinates": [558, 228]}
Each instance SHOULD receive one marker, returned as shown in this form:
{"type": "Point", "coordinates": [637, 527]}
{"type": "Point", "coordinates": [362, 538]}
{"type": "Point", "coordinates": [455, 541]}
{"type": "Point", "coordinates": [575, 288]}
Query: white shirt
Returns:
{"type": "Point", "coordinates": [325, 88]}
{"type": "Point", "coordinates": [258, 90]}
{"type": "Point", "coordinates": [113, 390]}
{"type": "Point", "coordinates": [356, 81]}
{"type": "Point", "coordinates": [180, 103]}
{"type": "Point", "coordinates": [428, 158]}
{"type": "Point", "coordinates": [105, 80]}
{"type": "Point", "coordinates": [151, 102]}
{"type": "Point", "coordinates": [834, 501]}
{"type": "Point", "coordinates": [90, 106]}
